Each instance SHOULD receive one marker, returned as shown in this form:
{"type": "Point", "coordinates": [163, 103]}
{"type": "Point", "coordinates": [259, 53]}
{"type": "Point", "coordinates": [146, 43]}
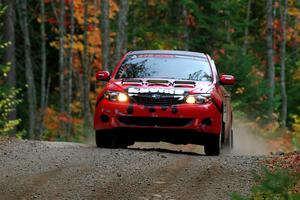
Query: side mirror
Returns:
{"type": "Point", "coordinates": [227, 80]}
{"type": "Point", "coordinates": [102, 76]}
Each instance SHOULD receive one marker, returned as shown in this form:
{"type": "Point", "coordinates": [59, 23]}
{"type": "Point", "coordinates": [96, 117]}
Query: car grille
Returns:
{"type": "Point", "coordinates": [157, 99]}
{"type": "Point", "coordinates": [154, 121]}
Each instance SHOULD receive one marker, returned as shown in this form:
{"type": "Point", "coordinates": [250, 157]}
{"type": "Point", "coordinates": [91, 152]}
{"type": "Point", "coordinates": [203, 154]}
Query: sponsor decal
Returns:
{"type": "Point", "coordinates": [155, 90]}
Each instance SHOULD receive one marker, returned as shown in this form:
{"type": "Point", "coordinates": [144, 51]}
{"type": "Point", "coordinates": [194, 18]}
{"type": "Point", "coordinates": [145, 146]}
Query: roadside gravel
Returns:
{"type": "Point", "coordinates": [58, 170]}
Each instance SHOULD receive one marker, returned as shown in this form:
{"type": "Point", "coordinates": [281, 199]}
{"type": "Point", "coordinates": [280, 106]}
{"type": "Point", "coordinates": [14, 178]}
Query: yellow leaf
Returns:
{"type": "Point", "coordinates": [54, 44]}
{"type": "Point", "coordinates": [294, 11]}
{"type": "Point", "coordinates": [297, 74]}
{"type": "Point", "coordinates": [39, 19]}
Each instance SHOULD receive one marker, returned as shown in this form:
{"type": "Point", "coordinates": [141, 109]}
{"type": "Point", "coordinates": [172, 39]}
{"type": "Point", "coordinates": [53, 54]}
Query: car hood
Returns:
{"type": "Point", "coordinates": [171, 86]}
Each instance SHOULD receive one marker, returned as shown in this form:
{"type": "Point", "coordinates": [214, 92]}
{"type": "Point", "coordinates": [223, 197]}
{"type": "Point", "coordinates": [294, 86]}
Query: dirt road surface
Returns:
{"type": "Point", "coordinates": [58, 170]}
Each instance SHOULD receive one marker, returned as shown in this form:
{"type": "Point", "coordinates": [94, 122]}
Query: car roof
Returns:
{"type": "Point", "coordinates": [168, 52]}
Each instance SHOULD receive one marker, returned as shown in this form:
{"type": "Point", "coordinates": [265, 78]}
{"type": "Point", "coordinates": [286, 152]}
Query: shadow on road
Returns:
{"type": "Point", "coordinates": [140, 147]}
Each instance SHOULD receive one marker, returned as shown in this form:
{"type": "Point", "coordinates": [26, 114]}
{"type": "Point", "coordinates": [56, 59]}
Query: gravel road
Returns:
{"type": "Point", "coordinates": [58, 170]}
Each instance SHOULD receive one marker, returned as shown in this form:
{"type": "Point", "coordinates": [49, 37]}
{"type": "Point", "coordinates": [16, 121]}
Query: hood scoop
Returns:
{"type": "Point", "coordinates": [132, 82]}
{"type": "Point", "coordinates": [184, 83]}
{"type": "Point", "coordinates": [159, 82]}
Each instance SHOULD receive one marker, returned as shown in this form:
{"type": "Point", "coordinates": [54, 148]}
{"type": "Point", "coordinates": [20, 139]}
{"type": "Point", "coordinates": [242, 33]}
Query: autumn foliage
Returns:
{"type": "Point", "coordinates": [94, 50]}
{"type": "Point", "coordinates": [232, 32]}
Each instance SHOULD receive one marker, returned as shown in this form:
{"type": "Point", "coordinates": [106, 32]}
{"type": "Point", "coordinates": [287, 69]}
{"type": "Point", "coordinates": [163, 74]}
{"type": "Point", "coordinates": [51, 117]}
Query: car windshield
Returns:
{"type": "Point", "coordinates": [165, 66]}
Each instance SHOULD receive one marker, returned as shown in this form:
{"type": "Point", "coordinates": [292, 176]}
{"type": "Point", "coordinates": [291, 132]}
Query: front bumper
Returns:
{"type": "Point", "coordinates": [199, 118]}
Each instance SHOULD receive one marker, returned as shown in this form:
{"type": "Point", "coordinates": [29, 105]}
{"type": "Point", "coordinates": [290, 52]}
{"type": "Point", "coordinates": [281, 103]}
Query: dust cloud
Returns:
{"type": "Point", "coordinates": [247, 141]}
{"type": "Point", "coordinates": [90, 140]}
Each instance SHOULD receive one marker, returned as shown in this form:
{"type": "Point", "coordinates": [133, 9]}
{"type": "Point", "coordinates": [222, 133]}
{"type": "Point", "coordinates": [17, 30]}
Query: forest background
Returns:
{"type": "Point", "coordinates": [51, 49]}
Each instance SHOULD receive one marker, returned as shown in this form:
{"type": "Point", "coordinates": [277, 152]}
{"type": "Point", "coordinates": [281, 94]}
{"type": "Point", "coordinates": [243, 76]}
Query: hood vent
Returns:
{"type": "Point", "coordinates": [132, 81]}
{"type": "Point", "coordinates": [184, 83]}
{"type": "Point", "coordinates": [159, 82]}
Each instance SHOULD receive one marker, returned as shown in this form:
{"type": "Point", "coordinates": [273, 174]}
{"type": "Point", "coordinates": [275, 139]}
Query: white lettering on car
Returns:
{"type": "Point", "coordinates": [133, 90]}
{"type": "Point", "coordinates": [179, 91]}
{"type": "Point", "coordinates": [144, 90]}
{"type": "Point", "coordinates": [155, 90]}
{"type": "Point", "coordinates": [161, 90]}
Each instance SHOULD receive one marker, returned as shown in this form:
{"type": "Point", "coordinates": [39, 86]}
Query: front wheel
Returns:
{"type": "Point", "coordinates": [109, 140]}
{"type": "Point", "coordinates": [213, 146]}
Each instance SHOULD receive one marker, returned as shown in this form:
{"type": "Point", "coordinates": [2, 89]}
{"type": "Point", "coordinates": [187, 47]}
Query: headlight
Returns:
{"type": "Point", "coordinates": [116, 96]}
{"type": "Point", "coordinates": [122, 97]}
{"type": "Point", "coordinates": [191, 99]}
{"type": "Point", "coordinates": [198, 98]}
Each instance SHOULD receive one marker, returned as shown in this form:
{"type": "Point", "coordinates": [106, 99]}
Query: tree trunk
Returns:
{"type": "Point", "coordinates": [61, 64]}
{"type": "Point", "coordinates": [105, 34]}
{"type": "Point", "coordinates": [121, 36]}
{"type": "Point", "coordinates": [283, 15]}
{"type": "Point", "coordinates": [43, 66]}
{"type": "Point", "coordinates": [70, 72]}
{"type": "Point", "coordinates": [47, 92]}
{"type": "Point", "coordinates": [86, 75]}
{"type": "Point", "coordinates": [185, 29]}
{"type": "Point", "coordinates": [271, 70]}
{"type": "Point", "coordinates": [133, 28]}
{"type": "Point", "coordinates": [295, 36]}
{"type": "Point", "coordinates": [9, 56]}
{"type": "Point", "coordinates": [31, 91]}
{"type": "Point", "coordinates": [227, 23]}
{"type": "Point", "coordinates": [246, 34]}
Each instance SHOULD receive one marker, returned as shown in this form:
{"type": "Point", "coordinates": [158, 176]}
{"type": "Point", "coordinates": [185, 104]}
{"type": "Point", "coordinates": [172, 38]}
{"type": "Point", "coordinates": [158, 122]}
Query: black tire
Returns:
{"type": "Point", "coordinates": [223, 132]}
{"type": "Point", "coordinates": [213, 146]}
{"type": "Point", "coordinates": [103, 140]}
{"type": "Point", "coordinates": [109, 140]}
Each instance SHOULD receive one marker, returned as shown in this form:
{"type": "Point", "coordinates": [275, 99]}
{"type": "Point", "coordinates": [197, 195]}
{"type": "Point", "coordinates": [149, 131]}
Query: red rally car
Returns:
{"type": "Point", "coordinates": [159, 95]}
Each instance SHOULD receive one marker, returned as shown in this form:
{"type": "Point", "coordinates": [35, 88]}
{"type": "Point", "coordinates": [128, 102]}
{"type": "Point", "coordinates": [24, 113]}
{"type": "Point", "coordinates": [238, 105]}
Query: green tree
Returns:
{"type": "Point", "coordinates": [8, 94]}
{"type": "Point", "coordinates": [272, 184]}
